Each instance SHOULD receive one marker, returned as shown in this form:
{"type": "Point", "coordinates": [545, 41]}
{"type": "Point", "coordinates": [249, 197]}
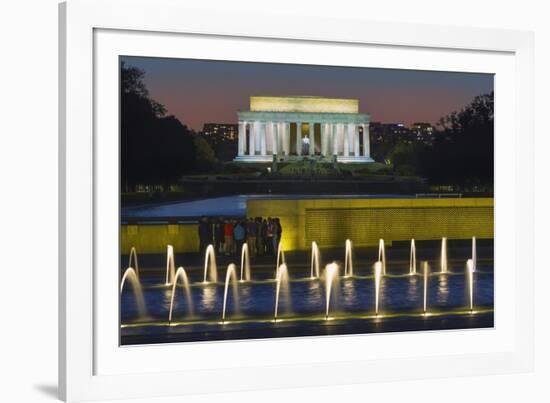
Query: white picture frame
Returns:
{"type": "Point", "coordinates": [93, 366]}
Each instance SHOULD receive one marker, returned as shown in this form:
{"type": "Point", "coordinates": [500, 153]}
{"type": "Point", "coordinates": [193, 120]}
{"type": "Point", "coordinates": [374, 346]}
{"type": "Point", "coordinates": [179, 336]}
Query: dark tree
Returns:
{"type": "Point", "coordinates": [155, 149]}
{"type": "Point", "coordinates": [205, 158]}
{"type": "Point", "coordinates": [133, 89]}
{"type": "Point", "coordinates": [463, 152]}
{"type": "Point", "coordinates": [406, 158]}
{"type": "Point", "coordinates": [224, 148]}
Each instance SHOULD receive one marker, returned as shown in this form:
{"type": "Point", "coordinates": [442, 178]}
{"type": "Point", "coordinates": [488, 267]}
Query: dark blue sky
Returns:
{"type": "Point", "coordinates": [201, 91]}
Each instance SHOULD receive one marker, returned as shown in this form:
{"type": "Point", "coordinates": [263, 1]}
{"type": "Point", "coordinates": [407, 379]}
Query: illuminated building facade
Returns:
{"type": "Point", "coordinates": [298, 127]}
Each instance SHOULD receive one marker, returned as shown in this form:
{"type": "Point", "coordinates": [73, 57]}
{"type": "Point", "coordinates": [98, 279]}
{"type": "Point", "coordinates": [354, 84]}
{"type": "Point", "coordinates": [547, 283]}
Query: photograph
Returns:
{"type": "Point", "coordinates": [265, 202]}
{"type": "Point", "coordinates": [269, 200]}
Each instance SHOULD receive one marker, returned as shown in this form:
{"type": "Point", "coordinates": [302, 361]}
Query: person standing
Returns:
{"type": "Point", "coordinates": [239, 234]}
{"type": "Point", "coordinates": [228, 237]}
{"type": "Point", "coordinates": [259, 238]}
{"type": "Point", "coordinates": [251, 237]}
{"type": "Point", "coordinates": [275, 239]}
{"type": "Point", "coordinates": [219, 235]}
{"type": "Point", "coordinates": [269, 236]}
{"type": "Point", "coordinates": [279, 232]}
{"type": "Point", "coordinates": [264, 236]}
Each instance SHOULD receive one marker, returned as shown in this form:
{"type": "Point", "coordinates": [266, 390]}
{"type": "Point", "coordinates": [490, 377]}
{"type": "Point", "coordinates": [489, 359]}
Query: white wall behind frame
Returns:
{"type": "Point", "coordinates": [28, 30]}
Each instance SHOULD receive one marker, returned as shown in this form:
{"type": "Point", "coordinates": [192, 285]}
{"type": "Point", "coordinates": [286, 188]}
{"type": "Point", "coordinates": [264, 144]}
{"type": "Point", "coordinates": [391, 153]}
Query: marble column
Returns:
{"type": "Point", "coordinates": [242, 137]}
{"type": "Point", "coordinates": [355, 137]}
{"type": "Point", "coordinates": [273, 136]}
{"type": "Point", "coordinates": [334, 138]}
{"type": "Point", "coordinates": [351, 137]}
{"type": "Point", "coordinates": [330, 134]}
{"type": "Point", "coordinates": [280, 138]}
{"type": "Point", "coordinates": [298, 138]}
{"type": "Point", "coordinates": [345, 130]}
{"type": "Point", "coordinates": [330, 139]}
{"type": "Point", "coordinates": [252, 139]}
{"type": "Point", "coordinates": [257, 136]}
{"type": "Point", "coordinates": [311, 127]}
{"type": "Point", "coordinates": [324, 139]}
{"type": "Point", "coordinates": [262, 138]}
{"type": "Point", "coordinates": [366, 140]}
{"type": "Point", "coordinates": [287, 138]}
{"type": "Point", "coordinates": [269, 137]}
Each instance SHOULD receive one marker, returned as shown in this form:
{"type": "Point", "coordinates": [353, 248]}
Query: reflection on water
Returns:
{"type": "Point", "coordinates": [412, 290]}
{"type": "Point", "coordinates": [314, 293]}
{"type": "Point", "coordinates": [166, 297]}
{"type": "Point", "coordinates": [209, 297]}
{"type": "Point", "coordinates": [442, 290]}
{"type": "Point", "coordinates": [349, 292]}
{"type": "Point", "coordinates": [245, 294]}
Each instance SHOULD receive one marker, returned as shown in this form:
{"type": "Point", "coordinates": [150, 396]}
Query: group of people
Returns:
{"type": "Point", "coordinates": [262, 235]}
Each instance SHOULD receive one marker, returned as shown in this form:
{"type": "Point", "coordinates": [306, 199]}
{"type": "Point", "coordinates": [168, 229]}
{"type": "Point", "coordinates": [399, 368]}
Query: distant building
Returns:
{"type": "Point", "coordinates": [399, 132]}
{"type": "Point", "coordinates": [390, 133]}
{"type": "Point", "coordinates": [220, 131]}
{"type": "Point", "coordinates": [423, 132]}
{"type": "Point", "coordinates": [222, 138]}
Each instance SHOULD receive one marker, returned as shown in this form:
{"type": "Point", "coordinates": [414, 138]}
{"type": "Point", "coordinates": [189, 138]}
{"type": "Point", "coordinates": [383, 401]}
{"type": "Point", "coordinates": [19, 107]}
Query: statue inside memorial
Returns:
{"type": "Point", "coordinates": [305, 145]}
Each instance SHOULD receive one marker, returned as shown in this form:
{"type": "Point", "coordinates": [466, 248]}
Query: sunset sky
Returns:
{"type": "Point", "coordinates": [204, 91]}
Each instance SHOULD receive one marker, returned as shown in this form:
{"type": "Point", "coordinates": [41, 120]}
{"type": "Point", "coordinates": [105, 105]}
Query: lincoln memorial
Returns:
{"type": "Point", "coordinates": [299, 127]}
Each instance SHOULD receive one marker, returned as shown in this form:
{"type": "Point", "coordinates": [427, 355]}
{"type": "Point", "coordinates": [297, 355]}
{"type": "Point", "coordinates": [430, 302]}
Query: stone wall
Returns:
{"type": "Point", "coordinates": [153, 238]}
{"type": "Point", "coordinates": [365, 221]}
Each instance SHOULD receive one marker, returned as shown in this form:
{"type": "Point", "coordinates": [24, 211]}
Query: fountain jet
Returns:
{"type": "Point", "coordinates": [282, 282]}
{"type": "Point", "coordinates": [131, 276]}
{"type": "Point", "coordinates": [412, 262]}
{"type": "Point", "coordinates": [470, 279]}
{"type": "Point", "coordinates": [180, 273]}
{"type": "Point", "coordinates": [314, 260]}
{"type": "Point", "coordinates": [474, 253]}
{"type": "Point", "coordinates": [170, 265]}
{"type": "Point", "coordinates": [425, 273]}
{"type": "Point", "coordinates": [245, 263]}
{"type": "Point", "coordinates": [280, 258]}
{"type": "Point", "coordinates": [231, 275]}
{"type": "Point", "coordinates": [444, 262]}
{"type": "Point", "coordinates": [382, 255]}
{"type": "Point", "coordinates": [348, 261]}
{"type": "Point", "coordinates": [133, 259]}
{"type": "Point", "coordinates": [377, 277]}
{"type": "Point", "coordinates": [210, 264]}
{"type": "Point", "coordinates": [331, 275]}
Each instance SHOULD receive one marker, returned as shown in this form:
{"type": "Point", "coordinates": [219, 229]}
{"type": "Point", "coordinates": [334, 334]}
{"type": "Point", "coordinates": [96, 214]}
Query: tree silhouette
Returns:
{"type": "Point", "coordinates": [463, 152]}
{"type": "Point", "coordinates": [155, 149]}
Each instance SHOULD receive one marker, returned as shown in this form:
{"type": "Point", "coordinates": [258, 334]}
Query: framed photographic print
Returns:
{"type": "Point", "coordinates": [239, 203]}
